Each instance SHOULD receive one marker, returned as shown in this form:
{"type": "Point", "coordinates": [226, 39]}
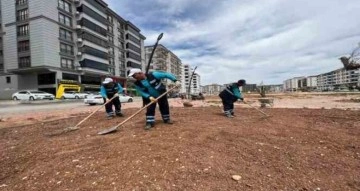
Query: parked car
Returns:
{"type": "Point", "coordinates": [74, 95]}
{"type": "Point", "coordinates": [98, 99]}
{"type": "Point", "coordinates": [32, 95]}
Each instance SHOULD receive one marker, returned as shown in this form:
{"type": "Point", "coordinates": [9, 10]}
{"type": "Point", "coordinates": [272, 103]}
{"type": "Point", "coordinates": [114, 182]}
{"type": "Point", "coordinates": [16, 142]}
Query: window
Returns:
{"type": "Point", "coordinates": [24, 62]}
{"type": "Point", "coordinates": [111, 39]}
{"type": "Point", "coordinates": [8, 79]}
{"type": "Point", "coordinates": [65, 6]}
{"type": "Point", "coordinates": [23, 46]}
{"type": "Point", "coordinates": [94, 39]}
{"type": "Point", "coordinates": [65, 20]}
{"type": "Point", "coordinates": [94, 27]}
{"type": "Point", "coordinates": [110, 19]}
{"type": "Point", "coordinates": [111, 71]}
{"type": "Point", "coordinates": [22, 15]}
{"type": "Point", "coordinates": [65, 34]}
{"type": "Point", "coordinates": [21, 2]}
{"type": "Point", "coordinates": [23, 30]}
{"type": "Point", "coordinates": [66, 76]}
{"type": "Point", "coordinates": [67, 49]}
{"type": "Point", "coordinates": [46, 79]}
{"type": "Point", "coordinates": [111, 61]}
{"type": "Point", "coordinates": [94, 52]}
{"type": "Point", "coordinates": [67, 63]}
{"type": "Point", "coordinates": [110, 29]}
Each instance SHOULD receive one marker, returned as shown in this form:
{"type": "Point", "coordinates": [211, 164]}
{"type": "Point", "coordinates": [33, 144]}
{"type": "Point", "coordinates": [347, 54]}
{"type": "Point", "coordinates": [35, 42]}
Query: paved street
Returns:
{"type": "Point", "coordinates": [13, 107]}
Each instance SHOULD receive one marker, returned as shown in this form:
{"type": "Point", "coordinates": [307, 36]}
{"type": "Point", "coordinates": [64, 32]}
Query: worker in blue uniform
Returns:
{"type": "Point", "coordinates": [231, 94]}
{"type": "Point", "coordinates": [150, 87]}
{"type": "Point", "coordinates": [108, 90]}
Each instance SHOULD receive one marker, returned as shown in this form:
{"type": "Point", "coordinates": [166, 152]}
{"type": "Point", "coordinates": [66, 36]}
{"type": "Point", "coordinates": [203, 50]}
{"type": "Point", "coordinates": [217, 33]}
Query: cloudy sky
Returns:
{"type": "Point", "coordinates": [258, 40]}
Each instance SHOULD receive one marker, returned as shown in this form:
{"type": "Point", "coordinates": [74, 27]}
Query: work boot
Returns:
{"type": "Point", "coordinates": [148, 126]}
{"type": "Point", "coordinates": [229, 116]}
{"type": "Point", "coordinates": [168, 122]}
{"type": "Point", "coordinates": [119, 114]}
{"type": "Point", "coordinates": [109, 117]}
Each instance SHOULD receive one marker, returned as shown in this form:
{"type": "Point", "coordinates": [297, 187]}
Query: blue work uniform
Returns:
{"type": "Point", "coordinates": [229, 95]}
{"type": "Point", "coordinates": [153, 87]}
{"type": "Point", "coordinates": [107, 91]}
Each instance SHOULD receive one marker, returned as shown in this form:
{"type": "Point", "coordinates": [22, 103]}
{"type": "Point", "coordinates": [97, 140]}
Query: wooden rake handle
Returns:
{"type": "Point", "coordinates": [146, 106]}
{"type": "Point", "coordinates": [82, 121]}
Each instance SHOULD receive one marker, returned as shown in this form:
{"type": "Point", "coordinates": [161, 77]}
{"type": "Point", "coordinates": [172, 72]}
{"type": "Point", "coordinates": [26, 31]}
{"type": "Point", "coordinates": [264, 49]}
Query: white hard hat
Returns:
{"type": "Point", "coordinates": [133, 71]}
{"type": "Point", "coordinates": [108, 80]}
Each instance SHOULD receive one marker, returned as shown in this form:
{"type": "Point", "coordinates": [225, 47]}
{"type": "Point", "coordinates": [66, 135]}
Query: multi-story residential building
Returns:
{"type": "Point", "coordinates": [186, 74]}
{"type": "Point", "coordinates": [212, 89]}
{"type": "Point", "coordinates": [276, 88]}
{"type": "Point", "coordinates": [338, 78]}
{"type": "Point", "coordinates": [311, 81]}
{"type": "Point", "coordinates": [195, 85]}
{"type": "Point", "coordinates": [195, 81]}
{"type": "Point", "coordinates": [163, 60]}
{"type": "Point", "coordinates": [293, 84]}
{"type": "Point", "coordinates": [79, 40]}
{"type": "Point", "coordinates": [249, 88]}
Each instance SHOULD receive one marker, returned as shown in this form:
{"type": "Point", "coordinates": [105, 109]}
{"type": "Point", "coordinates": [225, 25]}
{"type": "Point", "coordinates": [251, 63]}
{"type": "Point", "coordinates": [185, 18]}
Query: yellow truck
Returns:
{"type": "Point", "coordinates": [66, 86]}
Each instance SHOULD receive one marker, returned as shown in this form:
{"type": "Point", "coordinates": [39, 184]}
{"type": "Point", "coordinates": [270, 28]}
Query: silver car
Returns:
{"type": "Point", "coordinates": [32, 95]}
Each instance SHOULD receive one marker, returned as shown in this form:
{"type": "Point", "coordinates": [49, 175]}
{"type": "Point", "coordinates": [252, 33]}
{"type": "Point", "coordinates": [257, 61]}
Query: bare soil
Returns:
{"type": "Point", "coordinates": [294, 149]}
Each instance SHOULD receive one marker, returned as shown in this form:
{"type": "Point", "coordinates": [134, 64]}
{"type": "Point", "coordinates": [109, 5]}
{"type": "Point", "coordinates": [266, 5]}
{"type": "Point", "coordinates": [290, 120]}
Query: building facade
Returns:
{"type": "Point", "coordinates": [79, 40]}
{"type": "Point", "coordinates": [294, 84]}
{"type": "Point", "coordinates": [188, 87]}
{"type": "Point", "coordinates": [338, 79]}
{"type": "Point", "coordinates": [163, 60]}
{"type": "Point", "coordinates": [212, 89]}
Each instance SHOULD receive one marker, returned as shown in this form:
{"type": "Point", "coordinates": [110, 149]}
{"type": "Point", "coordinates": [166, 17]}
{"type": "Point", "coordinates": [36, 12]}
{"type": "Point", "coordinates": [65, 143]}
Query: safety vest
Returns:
{"type": "Point", "coordinates": [111, 90]}
{"type": "Point", "coordinates": [155, 83]}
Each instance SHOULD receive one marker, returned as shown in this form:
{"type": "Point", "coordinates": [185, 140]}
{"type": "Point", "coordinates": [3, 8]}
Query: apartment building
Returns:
{"type": "Point", "coordinates": [212, 89]}
{"type": "Point", "coordinates": [274, 88]}
{"type": "Point", "coordinates": [249, 88]}
{"type": "Point", "coordinates": [293, 84]}
{"type": "Point", "coordinates": [311, 82]}
{"type": "Point", "coordinates": [79, 40]}
{"type": "Point", "coordinates": [195, 85]}
{"type": "Point", "coordinates": [195, 82]}
{"type": "Point", "coordinates": [163, 60]}
{"type": "Point", "coordinates": [338, 78]}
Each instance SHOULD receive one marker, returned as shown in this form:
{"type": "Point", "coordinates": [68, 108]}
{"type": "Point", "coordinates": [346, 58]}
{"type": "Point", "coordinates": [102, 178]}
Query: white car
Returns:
{"type": "Point", "coordinates": [98, 99]}
{"type": "Point", "coordinates": [32, 95]}
{"type": "Point", "coordinates": [74, 95]}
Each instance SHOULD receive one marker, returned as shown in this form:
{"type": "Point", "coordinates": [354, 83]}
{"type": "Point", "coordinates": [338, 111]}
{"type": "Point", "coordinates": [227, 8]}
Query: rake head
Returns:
{"type": "Point", "coordinates": [107, 131]}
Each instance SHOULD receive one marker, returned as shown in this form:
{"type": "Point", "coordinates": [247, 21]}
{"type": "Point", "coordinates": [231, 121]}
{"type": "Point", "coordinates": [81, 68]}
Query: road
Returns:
{"type": "Point", "coordinates": [13, 107]}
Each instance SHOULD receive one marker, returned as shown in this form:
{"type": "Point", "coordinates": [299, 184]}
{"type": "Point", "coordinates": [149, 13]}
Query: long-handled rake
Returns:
{"type": "Point", "coordinates": [76, 127]}
{"type": "Point", "coordinates": [265, 114]}
{"type": "Point", "coordinates": [113, 129]}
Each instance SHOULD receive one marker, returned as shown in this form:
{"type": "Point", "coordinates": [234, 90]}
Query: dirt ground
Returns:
{"type": "Point", "coordinates": [294, 149]}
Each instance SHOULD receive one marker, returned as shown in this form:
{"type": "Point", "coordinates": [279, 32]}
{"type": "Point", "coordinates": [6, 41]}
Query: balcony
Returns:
{"type": "Point", "coordinates": [133, 65]}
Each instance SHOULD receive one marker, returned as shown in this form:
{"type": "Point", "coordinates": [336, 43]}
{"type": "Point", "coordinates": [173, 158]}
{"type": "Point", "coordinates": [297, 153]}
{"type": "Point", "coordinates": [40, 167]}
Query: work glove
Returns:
{"type": "Point", "coordinates": [152, 99]}
{"type": "Point", "coordinates": [107, 99]}
{"type": "Point", "coordinates": [116, 95]}
{"type": "Point", "coordinates": [177, 83]}
{"type": "Point", "coordinates": [242, 99]}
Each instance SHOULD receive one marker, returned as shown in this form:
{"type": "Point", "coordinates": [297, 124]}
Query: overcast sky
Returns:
{"type": "Point", "coordinates": [257, 40]}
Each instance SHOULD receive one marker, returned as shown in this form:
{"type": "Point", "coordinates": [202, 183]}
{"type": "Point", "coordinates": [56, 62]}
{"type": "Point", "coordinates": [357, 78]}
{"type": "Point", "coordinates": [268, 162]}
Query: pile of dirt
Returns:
{"type": "Point", "coordinates": [295, 149]}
